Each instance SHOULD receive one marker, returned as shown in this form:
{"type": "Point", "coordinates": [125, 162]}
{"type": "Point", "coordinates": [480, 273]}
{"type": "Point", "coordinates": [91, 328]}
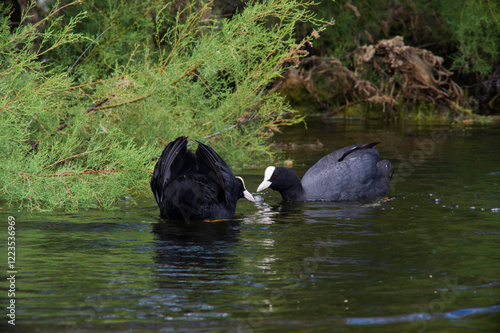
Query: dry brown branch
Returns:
{"type": "Point", "coordinates": [405, 74]}
{"type": "Point", "coordinates": [98, 104]}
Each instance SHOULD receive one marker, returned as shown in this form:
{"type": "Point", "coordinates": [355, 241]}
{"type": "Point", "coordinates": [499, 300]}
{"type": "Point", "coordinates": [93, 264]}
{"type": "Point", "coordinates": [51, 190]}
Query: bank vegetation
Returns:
{"type": "Point", "coordinates": [91, 91]}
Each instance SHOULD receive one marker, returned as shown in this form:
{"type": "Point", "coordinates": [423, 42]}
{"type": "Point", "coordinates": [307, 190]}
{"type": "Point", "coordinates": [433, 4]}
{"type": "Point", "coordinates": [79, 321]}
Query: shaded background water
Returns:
{"type": "Point", "coordinates": [427, 259]}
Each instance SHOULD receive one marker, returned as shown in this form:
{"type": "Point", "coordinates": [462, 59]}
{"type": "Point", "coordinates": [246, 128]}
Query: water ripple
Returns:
{"type": "Point", "coordinates": [457, 314]}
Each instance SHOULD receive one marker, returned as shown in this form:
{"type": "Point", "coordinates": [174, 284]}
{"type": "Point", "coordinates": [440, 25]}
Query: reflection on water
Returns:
{"type": "Point", "coordinates": [311, 212]}
{"type": "Point", "coordinates": [425, 259]}
{"type": "Point", "coordinates": [423, 317]}
{"type": "Point", "coordinates": [198, 243]}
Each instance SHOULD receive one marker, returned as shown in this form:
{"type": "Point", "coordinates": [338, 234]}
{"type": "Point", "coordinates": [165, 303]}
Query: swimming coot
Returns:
{"type": "Point", "coordinates": [192, 186]}
{"type": "Point", "coordinates": [350, 173]}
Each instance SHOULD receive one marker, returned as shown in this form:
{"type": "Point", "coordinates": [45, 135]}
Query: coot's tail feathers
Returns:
{"type": "Point", "coordinates": [173, 159]}
{"type": "Point", "coordinates": [369, 145]}
{"type": "Point", "coordinates": [215, 165]}
{"type": "Point", "coordinates": [171, 163]}
{"type": "Point", "coordinates": [364, 146]}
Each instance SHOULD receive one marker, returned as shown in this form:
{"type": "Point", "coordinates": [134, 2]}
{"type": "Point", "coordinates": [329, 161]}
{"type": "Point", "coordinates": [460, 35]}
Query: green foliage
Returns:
{"type": "Point", "coordinates": [476, 26]}
{"type": "Point", "coordinates": [85, 136]}
{"type": "Point", "coordinates": [465, 32]}
{"type": "Point", "coordinates": [127, 29]}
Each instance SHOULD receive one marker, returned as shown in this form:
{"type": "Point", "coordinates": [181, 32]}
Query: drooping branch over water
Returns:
{"type": "Point", "coordinates": [90, 138]}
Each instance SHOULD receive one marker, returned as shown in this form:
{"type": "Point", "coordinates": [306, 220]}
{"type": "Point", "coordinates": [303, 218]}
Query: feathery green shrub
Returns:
{"type": "Point", "coordinates": [84, 134]}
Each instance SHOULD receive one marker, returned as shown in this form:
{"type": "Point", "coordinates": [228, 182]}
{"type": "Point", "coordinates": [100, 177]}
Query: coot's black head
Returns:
{"type": "Point", "coordinates": [242, 191]}
{"type": "Point", "coordinates": [283, 180]}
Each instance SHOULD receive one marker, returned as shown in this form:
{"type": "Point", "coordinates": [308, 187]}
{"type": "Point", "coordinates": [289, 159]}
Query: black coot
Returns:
{"type": "Point", "coordinates": [193, 186]}
{"type": "Point", "coordinates": [350, 173]}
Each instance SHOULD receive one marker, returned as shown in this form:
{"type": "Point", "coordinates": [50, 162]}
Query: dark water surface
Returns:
{"type": "Point", "coordinates": [425, 260]}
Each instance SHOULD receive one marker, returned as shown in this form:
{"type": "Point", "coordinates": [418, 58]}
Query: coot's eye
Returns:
{"type": "Point", "coordinates": [276, 175]}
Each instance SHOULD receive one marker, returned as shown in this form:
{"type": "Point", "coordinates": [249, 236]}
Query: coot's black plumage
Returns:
{"type": "Point", "coordinates": [350, 173]}
{"type": "Point", "coordinates": [192, 186]}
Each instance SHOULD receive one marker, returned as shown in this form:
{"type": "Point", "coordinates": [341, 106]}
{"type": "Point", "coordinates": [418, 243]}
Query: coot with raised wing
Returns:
{"type": "Point", "coordinates": [194, 186]}
{"type": "Point", "coordinates": [350, 173]}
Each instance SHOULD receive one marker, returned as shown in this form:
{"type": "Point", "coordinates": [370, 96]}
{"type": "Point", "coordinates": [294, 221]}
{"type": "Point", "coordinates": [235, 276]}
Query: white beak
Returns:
{"type": "Point", "coordinates": [265, 184]}
{"type": "Point", "coordinates": [267, 178]}
{"type": "Point", "coordinates": [248, 196]}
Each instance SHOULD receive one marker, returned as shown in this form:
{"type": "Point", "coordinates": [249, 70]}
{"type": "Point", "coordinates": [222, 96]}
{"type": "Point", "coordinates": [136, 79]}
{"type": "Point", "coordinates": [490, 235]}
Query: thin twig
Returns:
{"type": "Point", "coordinates": [32, 119]}
{"type": "Point", "coordinates": [78, 173]}
{"type": "Point", "coordinates": [252, 117]}
{"type": "Point", "coordinates": [233, 126]}
{"type": "Point", "coordinates": [71, 157]}
{"type": "Point", "coordinates": [69, 193]}
{"type": "Point", "coordinates": [33, 146]}
{"type": "Point", "coordinates": [61, 127]}
{"type": "Point", "coordinates": [98, 104]}
{"type": "Point", "coordinates": [88, 47]}
{"type": "Point", "coordinates": [29, 187]}
{"type": "Point", "coordinates": [188, 72]}
{"type": "Point", "coordinates": [54, 13]}
{"type": "Point", "coordinates": [95, 195]}
{"type": "Point", "coordinates": [123, 103]}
